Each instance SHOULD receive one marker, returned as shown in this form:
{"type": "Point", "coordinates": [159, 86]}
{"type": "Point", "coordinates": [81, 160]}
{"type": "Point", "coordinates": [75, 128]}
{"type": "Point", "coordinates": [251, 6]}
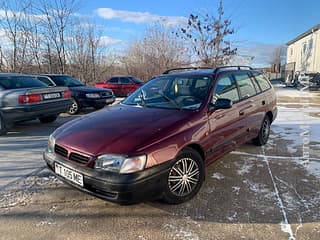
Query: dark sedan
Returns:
{"type": "Point", "coordinates": [23, 97]}
{"type": "Point", "coordinates": [82, 95]}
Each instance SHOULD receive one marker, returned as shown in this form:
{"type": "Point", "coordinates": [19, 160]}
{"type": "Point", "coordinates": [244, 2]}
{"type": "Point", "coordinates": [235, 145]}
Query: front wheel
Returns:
{"type": "Point", "coordinates": [74, 108]}
{"type": "Point", "coordinates": [264, 132]}
{"type": "Point", "coordinates": [185, 177]}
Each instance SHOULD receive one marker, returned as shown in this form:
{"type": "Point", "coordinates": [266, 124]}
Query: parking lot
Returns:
{"type": "Point", "coordinates": [270, 192]}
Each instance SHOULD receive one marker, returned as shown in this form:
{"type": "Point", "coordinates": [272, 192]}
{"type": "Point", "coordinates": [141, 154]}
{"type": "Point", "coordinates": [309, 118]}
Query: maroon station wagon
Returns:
{"type": "Point", "coordinates": [157, 142]}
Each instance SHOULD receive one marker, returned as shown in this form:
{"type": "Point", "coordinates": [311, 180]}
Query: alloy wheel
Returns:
{"type": "Point", "coordinates": [183, 177]}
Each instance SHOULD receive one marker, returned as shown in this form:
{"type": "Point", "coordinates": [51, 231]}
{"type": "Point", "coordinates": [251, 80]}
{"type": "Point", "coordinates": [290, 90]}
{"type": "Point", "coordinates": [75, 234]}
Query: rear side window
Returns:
{"type": "Point", "coordinates": [226, 88]}
{"type": "Point", "coordinates": [262, 81]}
{"type": "Point", "coordinates": [46, 81]}
{"type": "Point", "coordinates": [20, 82]}
{"type": "Point", "coordinates": [245, 84]}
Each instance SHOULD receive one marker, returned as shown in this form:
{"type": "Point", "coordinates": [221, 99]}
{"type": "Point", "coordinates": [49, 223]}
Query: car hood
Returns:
{"type": "Point", "coordinates": [88, 89]}
{"type": "Point", "coordinates": [120, 129]}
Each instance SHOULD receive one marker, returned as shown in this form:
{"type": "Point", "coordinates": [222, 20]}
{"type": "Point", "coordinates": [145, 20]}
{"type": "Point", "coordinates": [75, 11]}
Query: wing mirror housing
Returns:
{"type": "Point", "coordinates": [221, 103]}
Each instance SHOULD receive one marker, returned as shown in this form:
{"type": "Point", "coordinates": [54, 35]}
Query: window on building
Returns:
{"type": "Point", "coordinates": [310, 43]}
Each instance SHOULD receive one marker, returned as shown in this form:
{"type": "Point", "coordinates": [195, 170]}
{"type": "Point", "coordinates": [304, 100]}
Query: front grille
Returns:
{"type": "Point", "coordinates": [79, 158]}
{"type": "Point", "coordinates": [76, 157]}
{"type": "Point", "coordinates": [61, 151]}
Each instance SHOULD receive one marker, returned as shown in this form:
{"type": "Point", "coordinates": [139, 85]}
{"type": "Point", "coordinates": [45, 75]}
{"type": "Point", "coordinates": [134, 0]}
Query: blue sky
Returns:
{"type": "Point", "coordinates": [260, 25]}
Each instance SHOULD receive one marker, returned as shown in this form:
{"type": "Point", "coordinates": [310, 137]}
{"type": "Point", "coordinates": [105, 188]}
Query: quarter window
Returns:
{"type": "Point", "coordinates": [245, 84]}
{"type": "Point", "coordinates": [262, 81]}
{"type": "Point", "coordinates": [226, 88]}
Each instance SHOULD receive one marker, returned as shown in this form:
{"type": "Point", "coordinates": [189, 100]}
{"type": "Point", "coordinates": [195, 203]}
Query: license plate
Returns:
{"type": "Point", "coordinates": [51, 95]}
{"type": "Point", "coordinates": [69, 174]}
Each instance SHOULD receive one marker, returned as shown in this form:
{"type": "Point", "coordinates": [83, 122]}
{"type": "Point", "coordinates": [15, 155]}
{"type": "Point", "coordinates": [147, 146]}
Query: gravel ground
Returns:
{"type": "Point", "coordinates": [270, 192]}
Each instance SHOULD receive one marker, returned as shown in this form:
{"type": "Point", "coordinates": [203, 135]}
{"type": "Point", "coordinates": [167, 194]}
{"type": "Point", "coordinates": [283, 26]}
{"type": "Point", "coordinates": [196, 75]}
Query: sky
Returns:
{"type": "Point", "coordinates": [260, 25]}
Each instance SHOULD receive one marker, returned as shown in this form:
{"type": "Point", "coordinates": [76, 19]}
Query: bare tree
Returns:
{"type": "Point", "coordinates": [56, 22]}
{"type": "Point", "coordinates": [12, 21]}
{"type": "Point", "coordinates": [158, 50]}
{"type": "Point", "coordinates": [208, 37]}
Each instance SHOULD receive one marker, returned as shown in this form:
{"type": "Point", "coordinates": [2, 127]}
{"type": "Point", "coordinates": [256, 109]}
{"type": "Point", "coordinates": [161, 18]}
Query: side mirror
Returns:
{"type": "Point", "coordinates": [221, 103]}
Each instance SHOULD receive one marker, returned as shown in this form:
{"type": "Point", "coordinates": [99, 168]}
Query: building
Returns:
{"type": "Point", "coordinates": [303, 53]}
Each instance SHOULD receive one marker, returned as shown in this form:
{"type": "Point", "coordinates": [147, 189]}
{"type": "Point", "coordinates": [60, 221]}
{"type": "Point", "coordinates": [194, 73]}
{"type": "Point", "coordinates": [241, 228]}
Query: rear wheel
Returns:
{"type": "Point", "coordinates": [185, 177]}
{"type": "Point", "coordinates": [264, 132]}
{"type": "Point", "coordinates": [48, 119]}
{"type": "Point", "coordinates": [3, 128]}
{"type": "Point", "coordinates": [74, 108]}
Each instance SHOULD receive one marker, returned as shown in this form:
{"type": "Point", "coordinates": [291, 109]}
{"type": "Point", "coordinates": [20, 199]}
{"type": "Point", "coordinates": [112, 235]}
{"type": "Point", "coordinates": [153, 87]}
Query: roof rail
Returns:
{"type": "Point", "coordinates": [185, 68]}
{"type": "Point", "coordinates": [236, 67]}
{"type": "Point", "coordinates": [215, 70]}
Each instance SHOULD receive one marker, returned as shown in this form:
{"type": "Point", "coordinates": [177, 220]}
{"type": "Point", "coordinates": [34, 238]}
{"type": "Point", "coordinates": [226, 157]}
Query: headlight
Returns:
{"type": "Point", "coordinates": [120, 163]}
{"type": "Point", "coordinates": [92, 95]}
{"type": "Point", "coordinates": [51, 143]}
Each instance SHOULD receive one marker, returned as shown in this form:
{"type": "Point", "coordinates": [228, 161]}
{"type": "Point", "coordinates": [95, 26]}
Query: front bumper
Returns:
{"type": "Point", "coordinates": [96, 102]}
{"type": "Point", "coordinates": [120, 188]}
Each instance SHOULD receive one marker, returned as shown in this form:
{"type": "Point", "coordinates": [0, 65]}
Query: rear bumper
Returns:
{"type": "Point", "coordinates": [88, 102]}
{"type": "Point", "coordinates": [120, 188]}
{"type": "Point", "coordinates": [33, 111]}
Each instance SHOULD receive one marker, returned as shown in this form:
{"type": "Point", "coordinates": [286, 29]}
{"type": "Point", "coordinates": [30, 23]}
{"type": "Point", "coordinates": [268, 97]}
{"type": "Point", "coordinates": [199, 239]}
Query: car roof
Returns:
{"type": "Point", "coordinates": [53, 74]}
{"type": "Point", "coordinates": [15, 75]}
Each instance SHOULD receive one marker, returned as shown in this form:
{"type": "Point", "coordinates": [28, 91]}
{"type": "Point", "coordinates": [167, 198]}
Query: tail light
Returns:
{"type": "Point", "coordinates": [67, 94]}
{"type": "Point", "coordinates": [30, 98]}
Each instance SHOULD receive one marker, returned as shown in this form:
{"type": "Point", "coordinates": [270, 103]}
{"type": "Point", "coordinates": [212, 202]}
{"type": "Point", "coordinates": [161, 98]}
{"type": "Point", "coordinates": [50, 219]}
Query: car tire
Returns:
{"type": "Point", "coordinates": [264, 132]}
{"type": "Point", "coordinates": [74, 108]}
{"type": "Point", "coordinates": [48, 119]}
{"type": "Point", "coordinates": [3, 127]}
{"type": "Point", "coordinates": [185, 177]}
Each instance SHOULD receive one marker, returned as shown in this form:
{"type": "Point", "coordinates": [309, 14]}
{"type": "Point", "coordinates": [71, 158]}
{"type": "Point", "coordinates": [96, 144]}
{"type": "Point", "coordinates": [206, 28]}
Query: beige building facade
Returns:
{"type": "Point", "coordinates": [303, 52]}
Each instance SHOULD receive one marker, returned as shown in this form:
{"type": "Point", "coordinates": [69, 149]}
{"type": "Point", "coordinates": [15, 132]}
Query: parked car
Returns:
{"type": "Point", "coordinates": [23, 97]}
{"type": "Point", "coordinates": [157, 142]}
{"type": "Point", "coordinates": [82, 95]}
{"type": "Point", "coordinates": [122, 86]}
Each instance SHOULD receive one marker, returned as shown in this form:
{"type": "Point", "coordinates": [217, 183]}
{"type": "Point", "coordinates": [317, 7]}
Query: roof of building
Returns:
{"type": "Point", "coordinates": [306, 33]}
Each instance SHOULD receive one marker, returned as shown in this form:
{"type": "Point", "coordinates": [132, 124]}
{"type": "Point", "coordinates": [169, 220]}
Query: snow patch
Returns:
{"type": "Point", "coordinates": [218, 176]}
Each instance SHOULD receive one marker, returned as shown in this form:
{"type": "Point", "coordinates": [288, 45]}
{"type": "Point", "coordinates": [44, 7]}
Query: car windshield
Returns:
{"type": "Point", "coordinates": [174, 92]}
{"type": "Point", "coordinates": [13, 82]}
{"type": "Point", "coordinates": [66, 81]}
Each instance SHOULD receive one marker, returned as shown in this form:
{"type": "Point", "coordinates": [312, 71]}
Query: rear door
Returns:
{"type": "Point", "coordinates": [127, 86]}
{"type": "Point", "coordinates": [250, 106]}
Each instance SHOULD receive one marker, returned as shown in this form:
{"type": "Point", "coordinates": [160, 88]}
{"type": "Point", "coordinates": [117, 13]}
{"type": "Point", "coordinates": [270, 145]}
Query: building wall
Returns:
{"type": "Point", "coordinates": [305, 53]}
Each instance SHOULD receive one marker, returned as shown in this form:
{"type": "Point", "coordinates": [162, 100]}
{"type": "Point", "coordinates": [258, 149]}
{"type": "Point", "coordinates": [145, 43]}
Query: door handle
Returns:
{"type": "Point", "coordinates": [263, 102]}
{"type": "Point", "coordinates": [241, 112]}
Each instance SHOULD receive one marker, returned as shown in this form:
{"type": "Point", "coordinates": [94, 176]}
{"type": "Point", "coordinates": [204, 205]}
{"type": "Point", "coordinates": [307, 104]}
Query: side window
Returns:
{"type": "Point", "coordinates": [262, 81]}
{"type": "Point", "coordinates": [245, 84]}
{"type": "Point", "coordinates": [46, 81]}
{"type": "Point", "coordinates": [113, 80]}
{"type": "Point", "coordinates": [124, 80]}
{"type": "Point", "coordinates": [226, 88]}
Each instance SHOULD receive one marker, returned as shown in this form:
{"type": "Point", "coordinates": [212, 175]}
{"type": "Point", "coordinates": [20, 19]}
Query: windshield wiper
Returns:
{"type": "Point", "coordinates": [169, 99]}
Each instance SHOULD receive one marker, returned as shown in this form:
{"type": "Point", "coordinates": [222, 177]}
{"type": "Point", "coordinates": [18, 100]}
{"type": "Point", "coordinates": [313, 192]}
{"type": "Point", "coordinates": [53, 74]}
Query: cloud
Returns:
{"type": "Point", "coordinates": [108, 41]}
{"type": "Point", "coordinates": [8, 14]}
{"type": "Point", "coordinates": [139, 17]}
